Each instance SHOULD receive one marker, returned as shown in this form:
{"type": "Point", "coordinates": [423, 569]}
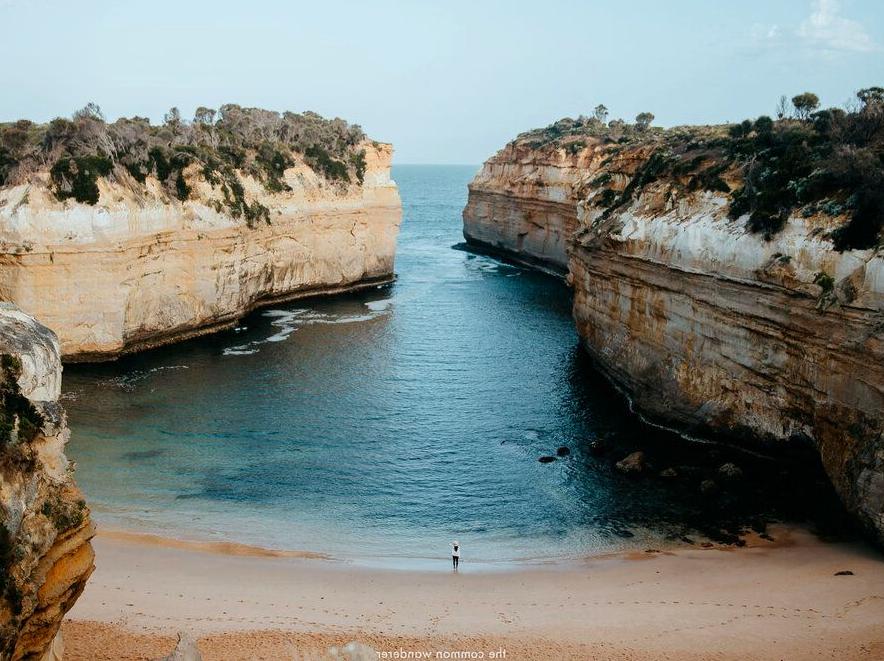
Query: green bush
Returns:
{"type": "Point", "coordinates": [333, 170]}
{"type": "Point", "coordinates": [76, 177]}
{"type": "Point", "coordinates": [224, 145]}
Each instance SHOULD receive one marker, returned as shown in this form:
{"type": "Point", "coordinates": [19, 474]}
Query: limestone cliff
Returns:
{"type": "Point", "coordinates": [709, 328]}
{"type": "Point", "coordinates": [45, 553]}
{"type": "Point", "coordinates": [522, 204]}
{"type": "Point", "coordinates": [141, 268]}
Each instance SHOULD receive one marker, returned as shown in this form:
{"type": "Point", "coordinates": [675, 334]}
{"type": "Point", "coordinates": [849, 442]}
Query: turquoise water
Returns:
{"type": "Point", "coordinates": [386, 423]}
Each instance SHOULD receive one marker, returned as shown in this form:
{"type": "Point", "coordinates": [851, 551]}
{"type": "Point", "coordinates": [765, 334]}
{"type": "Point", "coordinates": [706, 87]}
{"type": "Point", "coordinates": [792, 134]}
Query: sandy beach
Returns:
{"type": "Point", "coordinates": [769, 600]}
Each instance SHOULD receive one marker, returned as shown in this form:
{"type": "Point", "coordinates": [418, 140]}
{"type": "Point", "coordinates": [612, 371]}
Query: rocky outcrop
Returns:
{"type": "Point", "coordinates": [45, 531]}
{"type": "Point", "coordinates": [708, 328]}
{"type": "Point", "coordinates": [523, 205]}
{"type": "Point", "coordinates": [140, 268]}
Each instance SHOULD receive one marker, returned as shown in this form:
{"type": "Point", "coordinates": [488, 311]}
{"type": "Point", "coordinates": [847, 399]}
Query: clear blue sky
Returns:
{"type": "Point", "coordinates": [446, 82]}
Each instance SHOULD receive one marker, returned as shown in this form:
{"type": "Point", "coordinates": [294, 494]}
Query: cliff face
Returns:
{"type": "Point", "coordinates": [708, 328]}
{"type": "Point", "coordinates": [140, 269]}
{"type": "Point", "coordinates": [45, 553]}
{"type": "Point", "coordinates": [522, 204]}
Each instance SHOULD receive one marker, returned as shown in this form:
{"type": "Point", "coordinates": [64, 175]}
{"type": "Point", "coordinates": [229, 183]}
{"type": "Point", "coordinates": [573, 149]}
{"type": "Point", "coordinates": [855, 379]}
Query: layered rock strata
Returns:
{"type": "Point", "coordinates": [708, 328]}
{"type": "Point", "coordinates": [140, 268]}
{"type": "Point", "coordinates": [45, 530]}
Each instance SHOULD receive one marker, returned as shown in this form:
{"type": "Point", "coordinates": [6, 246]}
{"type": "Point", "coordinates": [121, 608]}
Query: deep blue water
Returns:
{"type": "Point", "coordinates": [387, 423]}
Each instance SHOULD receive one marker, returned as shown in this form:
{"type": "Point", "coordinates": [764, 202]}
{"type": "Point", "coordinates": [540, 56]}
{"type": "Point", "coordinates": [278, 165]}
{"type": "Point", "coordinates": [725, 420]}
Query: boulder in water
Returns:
{"type": "Point", "coordinates": [563, 451]}
{"type": "Point", "coordinates": [632, 464]}
{"type": "Point", "coordinates": [730, 471]}
{"type": "Point", "coordinates": [708, 486]}
{"type": "Point", "coordinates": [546, 459]}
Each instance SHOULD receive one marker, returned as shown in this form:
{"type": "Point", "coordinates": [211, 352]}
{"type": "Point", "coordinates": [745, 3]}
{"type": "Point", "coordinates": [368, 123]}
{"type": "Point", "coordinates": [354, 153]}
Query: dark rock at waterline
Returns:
{"type": "Point", "coordinates": [632, 464]}
{"type": "Point", "coordinates": [546, 459]}
{"type": "Point", "coordinates": [845, 572]}
{"type": "Point", "coordinates": [708, 487]}
{"type": "Point", "coordinates": [730, 471]}
{"type": "Point", "coordinates": [563, 451]}
{"type": "Point", "coordinates": [669, 473]}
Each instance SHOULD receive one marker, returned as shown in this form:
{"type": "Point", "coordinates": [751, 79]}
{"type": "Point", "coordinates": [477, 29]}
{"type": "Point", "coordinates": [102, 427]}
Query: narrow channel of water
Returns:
{"type": "Point", "coordinates": [386, 423]}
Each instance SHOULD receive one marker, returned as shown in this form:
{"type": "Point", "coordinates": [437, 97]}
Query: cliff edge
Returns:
{"type": "Point", "coordinates": [718, 313]}
{"type": "Point", "coordinates": [45, 551]}
{"type": "Point", "coordinates": [126, 236]}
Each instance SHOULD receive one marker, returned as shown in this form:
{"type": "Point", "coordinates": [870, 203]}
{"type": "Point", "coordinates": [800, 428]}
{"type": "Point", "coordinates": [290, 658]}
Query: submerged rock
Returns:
{"type": "Point", "coordinates": [563, 451]}
{"type": "Point", "coordinates": [546, 459]}
{"type": "Point", "coordinates": [708, 487]}
{"type": "Point", "coordinates": [632, 464]}
{"type": "Point", "coordinates": [730, 471]}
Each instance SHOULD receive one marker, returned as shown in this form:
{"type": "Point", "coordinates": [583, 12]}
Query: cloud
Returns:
{"type": "Point", "coordinates": [826, 29]}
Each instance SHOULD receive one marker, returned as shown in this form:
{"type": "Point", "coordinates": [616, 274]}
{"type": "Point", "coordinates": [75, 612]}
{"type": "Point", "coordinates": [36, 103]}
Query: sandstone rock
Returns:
{"type": "Point", "coordinates": [708, 487]}
{"type": "Point", "coordinates": [563, 451]}
{"type": "Point", "coordinates": [56, 649]}
{"type": "Point", "coordinates": [632, 464]}
{"type": "Point", "coordinates": [45, 531]}
{"type": "Point", "coordinates": [730, 471]}
{"type": "Point", "coordinates": [669, 473]}
{"type": "Point", "coordinates": [139, 269]}
{"type": "Point", "coordinates": [707, 328]}
{"type": "Point", "coordinates": [514, 190]}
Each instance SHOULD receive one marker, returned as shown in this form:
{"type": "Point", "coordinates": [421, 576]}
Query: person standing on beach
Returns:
{"type": "Point", "coordinates": [455, 554]}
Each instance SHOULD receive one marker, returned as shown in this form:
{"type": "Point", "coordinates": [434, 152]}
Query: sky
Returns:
{"type": "Point", "coordinates": [445, 82]}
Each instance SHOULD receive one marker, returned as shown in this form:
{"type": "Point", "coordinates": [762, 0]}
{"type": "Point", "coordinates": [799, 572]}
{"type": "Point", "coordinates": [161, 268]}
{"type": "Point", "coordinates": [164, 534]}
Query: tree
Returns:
{"type": "Point", "coordinates": [871, 96]}
{"type": "Point", "coordinates": [805, 104]}
{"type": "Point", "coordinates": [89, 111]}
{"type": "Point", "coordinates": [763, 125]}
{"type": "Point", "coordinates": [600, 113]}
{"type": "Point", "coordinates": [643, 120]}
{"type": "Point", "coordinates": [172, 119]}
{"type": "Point", "coordinates": [204, 115]}
{"type": "Point", "coordinates": [782, 107]}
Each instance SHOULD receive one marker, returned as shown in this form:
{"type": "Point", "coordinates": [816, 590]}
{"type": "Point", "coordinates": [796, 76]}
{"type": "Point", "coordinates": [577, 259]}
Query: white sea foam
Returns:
{"type": "Point", "coordinates": [288, 321]}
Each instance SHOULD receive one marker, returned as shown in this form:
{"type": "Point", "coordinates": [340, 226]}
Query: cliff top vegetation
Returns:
{"type": "Point", "coordinates": [223, 144]}
{"type": "Point", "coordinates": [807, 160]}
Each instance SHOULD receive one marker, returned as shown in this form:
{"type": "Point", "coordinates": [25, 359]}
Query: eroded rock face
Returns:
{"type": "Point", "coordinates": [708, 328]}
{"type": "Point", "coordinates": [522, 204]}
{"type": "Point", "coordinates": [139, 269]}
{"type": "Point", "coordinates": [45, 531]}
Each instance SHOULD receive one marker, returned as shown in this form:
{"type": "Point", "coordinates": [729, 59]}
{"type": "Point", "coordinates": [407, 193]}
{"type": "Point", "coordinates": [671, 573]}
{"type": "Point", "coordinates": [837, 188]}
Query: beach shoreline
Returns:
{"type": "Point", "coordinates": [768, 600]}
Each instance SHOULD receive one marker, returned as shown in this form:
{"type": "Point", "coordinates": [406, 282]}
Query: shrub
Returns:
{"type": "Point", "coordinates": [320, 159]}
{"type": "Point", "coordinates": [76, 177]}
{"type": "Point", "coordinates": [224, 144]}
